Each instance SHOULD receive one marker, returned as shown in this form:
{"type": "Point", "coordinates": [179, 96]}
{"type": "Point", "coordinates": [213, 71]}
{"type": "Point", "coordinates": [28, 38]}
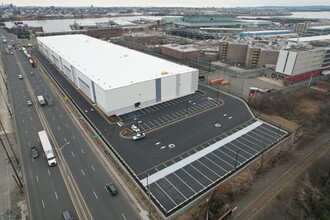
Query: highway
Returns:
{"type": "Point", "coordinates": [80, 169]}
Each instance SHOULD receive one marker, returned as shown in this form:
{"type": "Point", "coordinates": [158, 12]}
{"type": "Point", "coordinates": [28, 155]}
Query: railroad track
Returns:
{"type": "Point", "coordinates": [252, 211]}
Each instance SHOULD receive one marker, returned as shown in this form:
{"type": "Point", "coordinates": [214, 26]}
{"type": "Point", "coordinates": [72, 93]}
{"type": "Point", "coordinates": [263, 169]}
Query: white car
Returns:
{"type": "Point", "coordinates": [20, 76]}
{"type": "Point", "coordinates": [135, 128]}
{"type": "Point", "coordinates": [138, 136]}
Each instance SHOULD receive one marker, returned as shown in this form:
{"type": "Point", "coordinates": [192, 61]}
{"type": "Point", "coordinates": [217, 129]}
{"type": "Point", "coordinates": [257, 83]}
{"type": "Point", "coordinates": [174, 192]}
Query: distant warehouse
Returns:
{"type": "Point", "coordinates": [117, 79]}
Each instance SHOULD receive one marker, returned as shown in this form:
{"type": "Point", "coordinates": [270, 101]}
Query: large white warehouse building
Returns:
{"type": "Point", "coordinates": [117, 79]}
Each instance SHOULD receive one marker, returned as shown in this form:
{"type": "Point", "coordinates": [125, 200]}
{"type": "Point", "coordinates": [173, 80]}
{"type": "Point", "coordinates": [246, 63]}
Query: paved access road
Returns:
{"type": "Point", "coordinates": [84, 167]}
{"type": "Point", "coordinates": [46, 192]}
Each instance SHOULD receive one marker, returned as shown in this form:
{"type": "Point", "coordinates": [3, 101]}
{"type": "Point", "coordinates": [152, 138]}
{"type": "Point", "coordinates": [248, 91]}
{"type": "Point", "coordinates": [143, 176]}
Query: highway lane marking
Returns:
{"type": "Point", "coordinates": [82, 150]}
{"type": "Point", "coordinates": [25, 132]}
{"type": "Point", "coordinates": [56, 195]}
{"type": "Point", "coordinates": [23, 121]}
{"type": "Point", "coordinates": [48, 172]}
{"type": "Point", "coordinates": [82, 172]}
{"type": "Point", "coordinates": [74, 137]}
{"type": "Point", "coordinates": [66, 125]}
{"type": "Point", "coordinates": [64, 139]}
{"type": "Point", "coordinates": [43, 204]}
{"type": "Point", "coordinates": [95, 195]}
{"type": "Point", "coordinates": [34, 127]}
{"type": "Point", "coordinates": [93, 167]}
{"type": "Point", "coordinates": [61, 116]}
{"type": "Point", "coordinates": [53, 118]}
{"type": "Point", "coordinates": [37, 179]}
{"type": "Point", "coordinates": [123, 216]}
{"type": "Point", "coordinates": [58, 128]}
{"type": "Point", "coordinates": [31, 119]}
{"type": "Point", "coordinates": [72, 154]}
{"type": "Point", "coordinates": [29, 144]}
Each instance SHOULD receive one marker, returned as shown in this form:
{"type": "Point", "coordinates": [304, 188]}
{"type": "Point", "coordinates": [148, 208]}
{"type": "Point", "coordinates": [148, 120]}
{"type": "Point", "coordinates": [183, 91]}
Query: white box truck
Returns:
{"type": "Point", "coordinates": [47, 147]}
{"type": "Point", "coordinates": [41, 100]}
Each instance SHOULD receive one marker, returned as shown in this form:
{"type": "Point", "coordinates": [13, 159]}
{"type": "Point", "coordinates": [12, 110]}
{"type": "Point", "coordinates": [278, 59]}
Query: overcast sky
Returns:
{"type": "Point", "coordinates": [162, 3]}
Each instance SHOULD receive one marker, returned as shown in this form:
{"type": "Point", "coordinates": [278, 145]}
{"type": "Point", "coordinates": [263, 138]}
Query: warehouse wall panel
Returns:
{"type": "Point", "coordinates": [168, 88]}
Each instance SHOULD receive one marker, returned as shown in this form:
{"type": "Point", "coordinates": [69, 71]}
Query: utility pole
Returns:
{"type": "Point", "coordinates": [12, 165]}
{"type": "Point", "coordinates": [11, 147]}
{"type": "Point", "coordinates": [236, 159]}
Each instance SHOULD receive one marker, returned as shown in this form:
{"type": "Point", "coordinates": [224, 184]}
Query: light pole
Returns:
{"type": "Point", "coordinates": [11, 147]}
{"type": "Point", "coordinates": [236, 159]}
{"type": "Point", "coordinates": [187, 107]}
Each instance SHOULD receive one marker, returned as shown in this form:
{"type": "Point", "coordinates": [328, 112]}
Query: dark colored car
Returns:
{"type": "Point", "coordinates": [111, 189]}
{"type": "Point", "coordinates": [34, 152]}
{"type": "Point", "coordinates": [66, 215]}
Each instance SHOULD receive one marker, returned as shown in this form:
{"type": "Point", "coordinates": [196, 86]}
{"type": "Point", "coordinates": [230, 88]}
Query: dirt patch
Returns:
{"type": "Point", "coordinates": [309, 106]}
{"type": "Point", "coordinates": [277, 120]}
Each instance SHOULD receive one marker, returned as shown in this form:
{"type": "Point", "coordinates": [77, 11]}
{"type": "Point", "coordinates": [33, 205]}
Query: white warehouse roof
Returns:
{"type": "Point", "coordinates": [109, 65]}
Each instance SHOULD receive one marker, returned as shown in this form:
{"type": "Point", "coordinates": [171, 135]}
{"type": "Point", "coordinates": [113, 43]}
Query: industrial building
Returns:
{"type": "Point", "coordinates": [117, 79]}
{"type": "Point", "coordinates": [180, 51]}
{"type": "Point", "coordinates": [252, 55]}
{"type": "Point", "coordinates": [304, 58]}
{"type": "Point", "coordinates": [264, 33]}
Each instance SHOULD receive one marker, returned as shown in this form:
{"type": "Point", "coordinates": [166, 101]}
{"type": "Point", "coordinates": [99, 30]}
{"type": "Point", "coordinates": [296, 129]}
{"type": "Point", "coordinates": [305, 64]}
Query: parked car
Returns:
{"type": "Point", "coordinates": [34, 152]}
{"type": "Point", "coordinates": [29, 102]}
{"type": "Point", "coordinates": [20, 76]}
{"type": "Point", "coordinates": [111, 189]}
{"type": "Point", "coordinates": [138, 136]}
{"type": "Point", "coordinates": [66, 215]}
{"type": "Point", "coordinates": [135, 128]}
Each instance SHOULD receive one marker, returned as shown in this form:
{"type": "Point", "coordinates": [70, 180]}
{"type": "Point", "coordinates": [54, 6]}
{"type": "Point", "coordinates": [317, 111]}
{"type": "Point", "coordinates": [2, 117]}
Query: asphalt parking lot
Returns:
{"type": "Point", "coordinates": [191, 144]}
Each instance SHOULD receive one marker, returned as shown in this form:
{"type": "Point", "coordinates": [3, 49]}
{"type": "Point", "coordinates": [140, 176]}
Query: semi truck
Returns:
{"type": "Point", "coordinates": [41, 100]}
{"type": "Point", "coordinates": [47, 147]}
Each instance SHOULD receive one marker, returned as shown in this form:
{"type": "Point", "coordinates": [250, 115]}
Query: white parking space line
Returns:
{"type": "Point", "coordinates": [184, 182]}
{"type": "Point", "coordinates": [82, 172]}
{"type": "Point", "coordinates": [56, 195]}
{"type": "Point", "coordinates": [60, 116]}
{"type": "Point", "coordinates": [72, 154]}
{"type": "Point", "coordinates": [262, 137]}
{"type": "Point", "coordinates": [43, 204]}
{"type": "Point", "coordinates": [265, 133]}
{"type": "Point", "coordinates": [48, 173]}
{"type": "Point", "coordinates": [66, 125]}
{"type": "Point", "coordinates": [221, 160]}
{"type": "Point", "coordinates": [25, 132]}
{"type": "Point", "coordinates": [34, 127]}
{"type": "Point", "coordinates": [74, 137]}
{"type": "Point", "coordinates": [151, 123]}
{"type": "Point", "coordinates": [240, 148]}
{"type": "Point", "coordinates": [95, 195]}
{"type": "Point", "coordinates": [252, 137]}
{"type": "Point", "coordinates": [146, 126]}
{"type": "Point", "coordinates": [123, 216]}
{"type": "Point", "coordinates": [210, 168]}
{"type": "Point", "coordinates": [175, 188]}
{"type": "Point", "coordinates": [93, 167]}
{"type": "Point", "coordinates": [268, 130]}
{"type": "Point", "coordinates": [37, 179]}
{"type": "Point", "coordinates": [146, 110]}
{"type": "Point", "coordinates": [82, 150]}
{"type": "Point", "coordinates": [58, 128]}
{"type": "Point", "coordinates": [166, 194]}
{"type": "Point", "coordinates": [163, 122]}
{"type": "Point", "coordinates": [142, 127]}
{"type": "Point", "coordinates": [199, 172]}
{"type": "Point", "coordinates": [53, 118]}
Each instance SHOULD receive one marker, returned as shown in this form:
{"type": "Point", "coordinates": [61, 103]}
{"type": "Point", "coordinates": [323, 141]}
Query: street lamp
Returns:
{"type": "Point", "coordinates": [187, 107]}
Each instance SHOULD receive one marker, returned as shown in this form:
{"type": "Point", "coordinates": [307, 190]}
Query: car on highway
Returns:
{"type": "Point", "coordinates": [29, 102]}
{"type": "Point", "coordinates": [20, 76]}
{"type": "Point", "coordinates": [66, 215]}
{"type": "Point", "coordinates": [138, 136]}
{"type": "Point", "coordinates": [135, 128]}
{"type": "Point", "coordinates": [34, 152]}
{"type": "Point", "coordinates": [111, 189]}
{"type": "Point", "coordinates": [32, 73]}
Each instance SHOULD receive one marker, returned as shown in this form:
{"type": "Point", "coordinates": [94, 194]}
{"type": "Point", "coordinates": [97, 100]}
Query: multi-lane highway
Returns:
{"type": "Point", "coordinates": [77, 183]}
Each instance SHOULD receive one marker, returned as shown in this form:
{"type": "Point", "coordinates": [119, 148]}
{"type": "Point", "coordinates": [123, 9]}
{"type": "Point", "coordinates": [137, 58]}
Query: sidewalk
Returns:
{"type": "Point", "coordinates": [12, 201]}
